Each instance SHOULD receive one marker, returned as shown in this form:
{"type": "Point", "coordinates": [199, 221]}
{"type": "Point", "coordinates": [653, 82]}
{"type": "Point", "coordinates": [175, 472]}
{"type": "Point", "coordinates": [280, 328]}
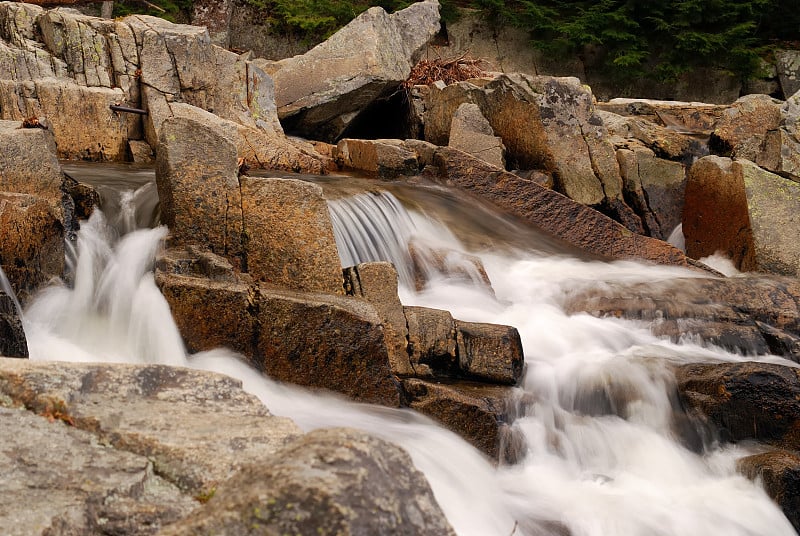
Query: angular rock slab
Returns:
{"type": "Point", "coordinates": [289, 235]}
{"type": "Point", "coordinates": [552, 212]}
{"type": "Point", "coordinates": [197, 427]}
{"type": "Point", "coordinates": [479, 413]}
{"type": "Point", "coordinates": [319, 93]}
{"type": "Point", "coordinates": [546, 123]}
{"type": "Point", "coordinates": [329, 482]}
{"type": "Point", "coordinates": [750, 215]}
{"type": "Point", "coordinates": [198, 185]}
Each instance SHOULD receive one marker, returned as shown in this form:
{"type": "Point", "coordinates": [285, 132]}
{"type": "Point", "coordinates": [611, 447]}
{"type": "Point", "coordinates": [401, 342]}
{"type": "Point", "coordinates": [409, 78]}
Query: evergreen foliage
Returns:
{"type": "Point", "coordinates": [657, 38]}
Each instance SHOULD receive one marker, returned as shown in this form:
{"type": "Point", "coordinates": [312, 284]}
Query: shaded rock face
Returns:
{"type": "Point", "coordinates": [142, 442]}
{"type": "Point", "coordinates": [320, 93]}
{"type": "Point", "coordinates": [788, 64]}
{"type": "Point", "coordinates": [779, 471]}
{"type": "Point", "coordinates": [552, 212]}
{"type": "Point", "coordinates": [743, 211]}
{"type": "Point", "coordinates": [12, 337]}
{"type": "Point", "coordinates": [548, 124]}
{"type": "Point", "coordinates": [744, 400]}
{"type": "Point", "coordinates": [749, 315]}
{"type": "Point", "coordinates": [336, 481]}
{"type": "Point", "coordinates": [60, 65]}
{"type": "Point", "coordinates": [654, 188]}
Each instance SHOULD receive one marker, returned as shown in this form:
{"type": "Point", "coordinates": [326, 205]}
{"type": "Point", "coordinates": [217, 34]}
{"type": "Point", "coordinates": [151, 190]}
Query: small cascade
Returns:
{"type": "Point", "coordinates": [375, 226]}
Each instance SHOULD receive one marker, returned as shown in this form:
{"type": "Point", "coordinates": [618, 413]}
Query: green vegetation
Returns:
{"type": "Point", "coordinates": [655, 38]}
{"type": "Point", "coordinates": [630, 38]}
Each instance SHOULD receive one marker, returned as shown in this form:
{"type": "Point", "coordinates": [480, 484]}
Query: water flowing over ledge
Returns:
{"type": "Point", "coordinates": [603, 455]}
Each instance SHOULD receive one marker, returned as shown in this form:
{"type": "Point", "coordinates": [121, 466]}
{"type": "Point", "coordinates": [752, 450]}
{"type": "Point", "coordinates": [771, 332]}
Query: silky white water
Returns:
{"type": "Point", "coordinates": [602, 457]}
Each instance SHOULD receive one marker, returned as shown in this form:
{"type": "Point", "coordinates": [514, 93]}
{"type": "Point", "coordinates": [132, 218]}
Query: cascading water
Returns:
{"type": "Point", "coordinates": [602, 456]}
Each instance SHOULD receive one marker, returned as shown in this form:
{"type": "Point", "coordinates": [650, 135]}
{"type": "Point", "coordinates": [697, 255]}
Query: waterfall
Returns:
{"type": "Point", "coordinates": [602, 457]}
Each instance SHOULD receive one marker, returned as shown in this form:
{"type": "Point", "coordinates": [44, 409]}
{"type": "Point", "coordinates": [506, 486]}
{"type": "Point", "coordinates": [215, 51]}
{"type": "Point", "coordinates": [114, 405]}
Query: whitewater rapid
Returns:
{"type": "Point", "coordinates": [586, 471]}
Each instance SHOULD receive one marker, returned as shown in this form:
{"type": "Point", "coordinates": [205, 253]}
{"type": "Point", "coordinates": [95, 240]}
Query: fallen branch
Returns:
{"type": "Point", "coordinates": [451, 70]}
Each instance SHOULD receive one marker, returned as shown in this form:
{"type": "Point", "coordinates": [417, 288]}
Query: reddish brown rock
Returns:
{"type": "Point", "coordinates": [289, 235]}
{"type": "Point", "coordinates": [742, 128]}
{"type": "Point", "coordinates": [572, 222]}
{"type": "Point", "coordinates": [431, 341]}
{"type": "Point", "coordinates": [489, 352]}
{"type": "Point", "coordinates": [31, 242]}
{"type": "Point", "coordinates": [748, 214]}
{"type": "Point", "coordinates": [386, 159]}
{"type": "Point", "coordinates": [324, 341]}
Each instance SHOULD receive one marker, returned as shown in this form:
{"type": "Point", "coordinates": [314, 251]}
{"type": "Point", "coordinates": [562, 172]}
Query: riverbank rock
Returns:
{"type": "Point", "coordinates": [356, 483]}
{"type": "Point", "coordinates": [384, 158]}
{"type": "Point", "coordinates": [320, 93]}
{"type": "Point", "coordinates": [547, 124]}
{"type": "Point", "coordinates": [65, 65]}
{"type": "Point", "coordinates": [146, 443]}
{"type": "Point", "coordinates": [788, 65]}
{"type": "Point", "coordinates": [288, 235]}
{"type": "Point", "coordinates": [743, 400]}
{"type": "Point", "coordinates": [748, 214]}
{"type": "Point", "coordinates": [471, 132]}
{"type": "Point", "coordinates": [752, 315]}
{"type": "Point", "coordinates": [12, 336]}
{"type": "Point", "coordinates": [552, 212]}
{"type": "Point", "coordinates": [742, 129]}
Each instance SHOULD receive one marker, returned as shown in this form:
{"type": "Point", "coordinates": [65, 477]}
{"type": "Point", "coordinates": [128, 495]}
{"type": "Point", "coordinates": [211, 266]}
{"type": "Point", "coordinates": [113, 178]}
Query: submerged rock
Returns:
{"type": "Point", "coordinates": [329, 482]}
{"type": "Point", "coordinates": [749, 315]}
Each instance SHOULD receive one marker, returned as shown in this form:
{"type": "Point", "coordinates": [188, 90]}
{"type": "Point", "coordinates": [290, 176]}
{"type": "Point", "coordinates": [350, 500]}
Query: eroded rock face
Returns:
{"type": "Point", "coordinates": [551, 211]}
{"type": "Point", "coordinates": [471, 132]}
{"type": "Point", "coordinates": [655, 188]}
{"type": "Point", "coordinates": [743, 211]}
{"type": "Point", "coordinates": [143, 441]}
{"type": "Point", "coordinates": [335, 481]}
{"type": "Point", "coordinates": [741, 130]}
{"type": "Point", "coordinates": [62, 65]}
{"type": "Point", "coordinates": [321, 92]}
{"type": "Point", "coordinates": [386, 159]}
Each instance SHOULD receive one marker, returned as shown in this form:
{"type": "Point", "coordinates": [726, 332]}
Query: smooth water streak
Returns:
{"type": "Point", "coordinates": [602, 455]}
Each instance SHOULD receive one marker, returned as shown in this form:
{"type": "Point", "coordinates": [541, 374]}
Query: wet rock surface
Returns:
{"type": "Point", "coordinates": [779, 472]}
{"type": "Point", "coordinates": [12, 336]}
{"type": "Point", "coordinates": [749, 315]}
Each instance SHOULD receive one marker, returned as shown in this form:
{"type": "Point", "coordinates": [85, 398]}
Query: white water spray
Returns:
{"type": "Point", "coordinates": [602, 457]}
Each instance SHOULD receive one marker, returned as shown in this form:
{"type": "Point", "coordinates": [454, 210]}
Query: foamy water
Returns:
{"type": "Point", "coordinates": [602, 456]}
